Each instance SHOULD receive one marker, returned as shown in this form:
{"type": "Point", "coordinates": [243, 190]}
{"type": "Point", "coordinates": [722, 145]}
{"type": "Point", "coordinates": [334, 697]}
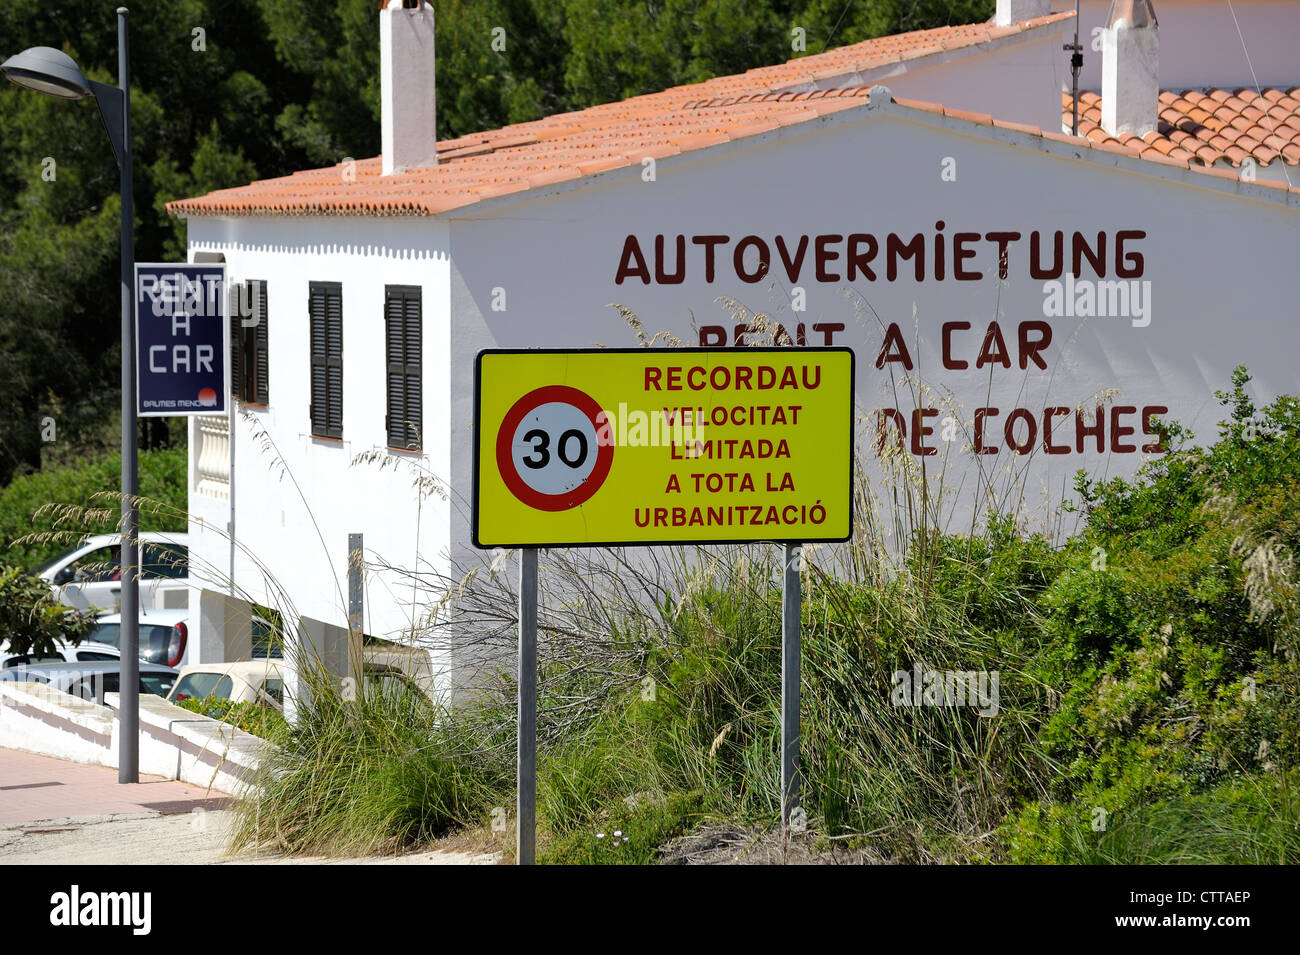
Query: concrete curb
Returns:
{"type": "Point", "coordinates": [175, 743]}
{"type": "Point", "coordinates": [87, 820]}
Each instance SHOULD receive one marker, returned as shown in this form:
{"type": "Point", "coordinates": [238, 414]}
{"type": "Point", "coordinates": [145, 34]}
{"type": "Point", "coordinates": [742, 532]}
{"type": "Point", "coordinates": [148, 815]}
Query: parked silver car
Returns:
{"type": "Point", "coordinates": [164, 638]}
{"type": "Point", "coordinates": [91, 680]}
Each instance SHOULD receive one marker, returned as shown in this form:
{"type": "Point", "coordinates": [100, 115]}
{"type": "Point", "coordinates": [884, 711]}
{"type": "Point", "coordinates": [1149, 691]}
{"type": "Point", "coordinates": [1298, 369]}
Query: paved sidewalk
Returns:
{"type": "Point", "coordinates": [199, 839]}
{"type": "Point", "coordinates": [40, 788]}
{"type": "Point", "coordinates": [53, 812]}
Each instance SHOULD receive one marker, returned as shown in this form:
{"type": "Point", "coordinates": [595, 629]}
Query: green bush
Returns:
{"type": "Point", "coordinates": [84, 498]}
{"type": "Point", "coordinates": [1148, 671]}
{"type": "Point", "coordinates": [255, 718]}
{"type": "Point", "coordinates": [1174, 653]}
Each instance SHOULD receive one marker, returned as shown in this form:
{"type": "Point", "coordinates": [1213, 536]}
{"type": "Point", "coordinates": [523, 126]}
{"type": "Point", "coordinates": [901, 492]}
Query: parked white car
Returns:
{"type": "Point", "coordinates": [63, 652]}
{"type": "Point", "coordinates": [256, 681]}
{"type": "Point", "coordinates": [164, 635]}
{"type": "Point", "coordinates": [393, 673]}
{"type": "Point", "coordinates": [89, 575]}
{"type": "Point", "coordinates": [164, 640]}
{"type": "Point", "coordinates": [396, 668]}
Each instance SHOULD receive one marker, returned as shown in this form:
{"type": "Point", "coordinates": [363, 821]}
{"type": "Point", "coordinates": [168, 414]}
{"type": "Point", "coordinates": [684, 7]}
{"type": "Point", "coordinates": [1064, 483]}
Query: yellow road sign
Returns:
{"type": "Point", "coordinates": [644, 446]}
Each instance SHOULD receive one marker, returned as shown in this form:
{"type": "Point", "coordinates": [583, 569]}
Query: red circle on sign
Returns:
{"type": "Point", "coordinates": [540, 500]}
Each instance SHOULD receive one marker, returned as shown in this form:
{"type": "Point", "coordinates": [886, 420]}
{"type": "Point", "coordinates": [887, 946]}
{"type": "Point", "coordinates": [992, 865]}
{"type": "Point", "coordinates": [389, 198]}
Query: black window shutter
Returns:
{"type": "Point", "coordinates": [261, 390]}
{"type": "Point", "coordinates": [236, 344]}
{"type": "Point", "coordinates": [414, 420]}
{"type": "Point", "coordinates": [319, 391]}
{"type": "Point", "coordinates": [395, 360]}
{"type": "Point", "coordinates": [334, 360]}
{"type": "Point", "coordinates": [402, 354]}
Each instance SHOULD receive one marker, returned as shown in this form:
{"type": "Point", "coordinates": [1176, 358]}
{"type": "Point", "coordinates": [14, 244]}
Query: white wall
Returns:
{"type": "Point", "coordinates": [1199, 43]}
{"type": "Point", "coordinates": [1216, 263]}
{"type": "Point", "coordinates": [294, 503]}
{"type": "Point", "coordinates": [1216, 266]}
{"type": "Point", "coordinates": [174, 743]}
{"type": "Point", "coordinates": [1016, 78]}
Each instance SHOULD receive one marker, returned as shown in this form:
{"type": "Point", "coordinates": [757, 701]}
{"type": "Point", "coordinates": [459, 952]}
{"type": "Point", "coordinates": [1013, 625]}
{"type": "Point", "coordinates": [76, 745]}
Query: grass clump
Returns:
{"type": "Point", "coordinates": [1149, 693]}
{"type": "Point", "coordinates": [1252, 821]}
{"type": "Point", "coordinates": [370, 775]}
{"type": "Point", "coordinates": [629, 832]}
{"type": "Point", "coordinates": [1147, 707]}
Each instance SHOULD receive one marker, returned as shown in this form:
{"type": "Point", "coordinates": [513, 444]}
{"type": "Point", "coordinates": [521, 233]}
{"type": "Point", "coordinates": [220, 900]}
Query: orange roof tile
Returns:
{"type": "Point", "coordinates": [589, 141]}
{"type": "Point", "coordinates": [623, 134]}
{"type": "Point", "coordinates": [1214, 126]}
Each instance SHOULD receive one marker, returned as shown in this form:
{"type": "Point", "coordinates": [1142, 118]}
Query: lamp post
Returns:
{"type": "Point", "coordinates": [47, 70]}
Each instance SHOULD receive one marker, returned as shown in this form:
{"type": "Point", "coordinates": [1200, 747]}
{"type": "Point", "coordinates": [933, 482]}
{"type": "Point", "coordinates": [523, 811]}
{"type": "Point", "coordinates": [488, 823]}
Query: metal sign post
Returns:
{"type": "Point", "coordinates": [128, 704]}
{"type": "Point", "coordinates": [791, 598]}
{"type": "Point", "coordinates": [612, 447]}
{"type": "Point", "coordinates": [356, 609]}
{"type": "Point", "coordinates": [526, 808]}
{"type": "Point", "coordinates": [174, 346]}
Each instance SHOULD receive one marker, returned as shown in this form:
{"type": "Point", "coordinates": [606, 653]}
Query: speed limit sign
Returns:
{"type": "Point", "coordinates": [550, 451]}
{"type": "Point", "coordinates": [614, 447]}
{"type": "Point", "coordinates": [640, 446]}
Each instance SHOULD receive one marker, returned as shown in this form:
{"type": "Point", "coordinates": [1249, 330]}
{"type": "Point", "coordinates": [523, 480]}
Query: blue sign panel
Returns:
{"type": "Point", "coordinates": [181, 336]}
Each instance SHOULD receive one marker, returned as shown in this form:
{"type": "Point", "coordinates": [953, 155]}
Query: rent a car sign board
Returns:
{"type": "Point", "coordinates": [181, 333]}
{"type": "Point", "coordinates": [645, 446]}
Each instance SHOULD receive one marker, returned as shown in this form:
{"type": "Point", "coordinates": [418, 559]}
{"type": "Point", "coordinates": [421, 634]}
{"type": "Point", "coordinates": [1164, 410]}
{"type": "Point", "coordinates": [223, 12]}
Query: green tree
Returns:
{"type": "Point", "coordinates": [620, 48]}
{"type": "Point", "coordinates": [227, 91]}
{"type": "Point", "coordinates": [31, 620]}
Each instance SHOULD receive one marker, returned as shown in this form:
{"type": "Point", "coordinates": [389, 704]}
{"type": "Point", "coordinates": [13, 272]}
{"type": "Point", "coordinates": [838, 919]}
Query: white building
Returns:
{"type": "Point", "coordinates": [911, 197]}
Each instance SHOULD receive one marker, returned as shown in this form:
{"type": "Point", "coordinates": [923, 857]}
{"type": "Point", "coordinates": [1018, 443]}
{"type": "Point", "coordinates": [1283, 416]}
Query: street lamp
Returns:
{"type": "Point", "coordinates": [51, 71]}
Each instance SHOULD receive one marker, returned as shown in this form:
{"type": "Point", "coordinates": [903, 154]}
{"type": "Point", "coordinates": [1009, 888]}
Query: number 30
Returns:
{"type": "Point", "coordinates": [541, 455]}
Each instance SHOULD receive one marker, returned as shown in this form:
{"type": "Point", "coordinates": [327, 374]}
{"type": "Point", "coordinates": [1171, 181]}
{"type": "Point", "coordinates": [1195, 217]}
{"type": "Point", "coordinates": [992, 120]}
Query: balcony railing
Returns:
{"type": "Point", "coordinates": [212, 456]}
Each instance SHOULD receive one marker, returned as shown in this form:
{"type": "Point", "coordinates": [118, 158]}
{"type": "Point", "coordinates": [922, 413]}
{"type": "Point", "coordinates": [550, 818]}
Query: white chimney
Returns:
{"type": "Point", "coordinates": [1016, 11]}
{"type": "Point", "coordinates": [1130, 68]}
{"type": "Point", "coordinates": [406, 85]}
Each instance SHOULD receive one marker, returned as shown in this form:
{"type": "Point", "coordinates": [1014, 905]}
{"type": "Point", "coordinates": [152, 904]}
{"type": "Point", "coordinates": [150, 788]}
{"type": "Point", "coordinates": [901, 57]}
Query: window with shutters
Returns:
{"type": "Point", "coordinates": [325, 313]}
{"type": "Point", "coordinates": [402, 353]}
{"type": "Point", "coordinates": [249, 367]}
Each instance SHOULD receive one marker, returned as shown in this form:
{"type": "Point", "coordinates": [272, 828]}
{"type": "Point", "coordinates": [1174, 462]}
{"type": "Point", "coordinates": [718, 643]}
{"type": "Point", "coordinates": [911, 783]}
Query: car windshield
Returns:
{"type": "Point", "coordinates": [95, 656]}
{"type": "Point", "coordinates": [202, 685]}
{"type": "Point", "coordinates": [159, 684]}
{"type": "Point", "coordinates": [88, 688]}
{"type": "Point", "coordinates": [164, 561]}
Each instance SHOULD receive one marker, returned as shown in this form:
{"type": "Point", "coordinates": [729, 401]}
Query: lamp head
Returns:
{"type": "Point", "coordinates": [46, 70]}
